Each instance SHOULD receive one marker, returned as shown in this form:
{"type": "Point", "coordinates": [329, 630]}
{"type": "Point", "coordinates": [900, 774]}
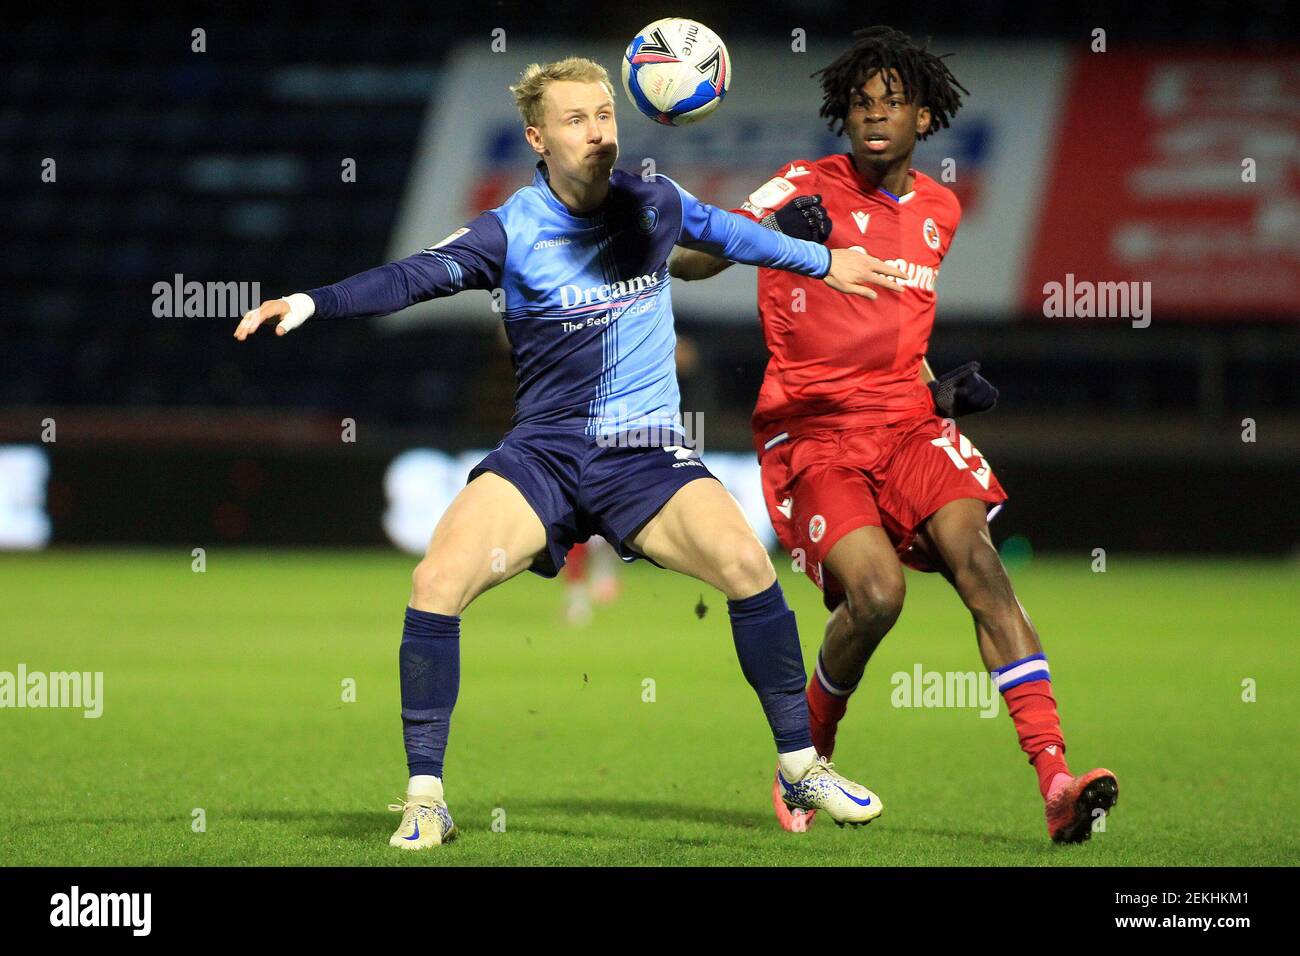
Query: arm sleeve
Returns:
{"type": "Point", "coordinates": [952, 231]}
{"type": "Point", "coordinates": [779, 190]}
{"type": "Point", "coordinates": [734, 237]}
{"type": "Point", "coordinates": [470, 258]}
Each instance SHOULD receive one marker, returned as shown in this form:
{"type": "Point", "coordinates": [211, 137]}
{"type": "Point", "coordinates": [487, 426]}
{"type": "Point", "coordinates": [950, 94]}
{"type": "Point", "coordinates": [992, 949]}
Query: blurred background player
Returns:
{"type": "Point", "coordinates": [590, 577]}
{"type": "Point", "coordinates": [859, 471]}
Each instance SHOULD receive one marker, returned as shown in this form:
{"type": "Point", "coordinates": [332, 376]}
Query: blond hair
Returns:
{"type": "Point", "coordinates": [537, 76]}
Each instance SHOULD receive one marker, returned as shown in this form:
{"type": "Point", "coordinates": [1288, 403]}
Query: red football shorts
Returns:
{"type": "Point", "coordinates": [820, 486]}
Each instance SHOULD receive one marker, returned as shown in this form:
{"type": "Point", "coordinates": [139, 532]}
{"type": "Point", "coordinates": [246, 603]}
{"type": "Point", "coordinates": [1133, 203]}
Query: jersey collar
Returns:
{"type": "Point", "coordinates": [542, 180]}
{"type": "Point", "coordinates": [880, 189]}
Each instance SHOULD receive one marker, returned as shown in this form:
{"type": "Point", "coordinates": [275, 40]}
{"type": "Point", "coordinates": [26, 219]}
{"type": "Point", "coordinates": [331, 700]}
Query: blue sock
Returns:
{"type": "Point", "coordinates": [430, 663]}
{"type": "Point", "coordinates": [767, 643]}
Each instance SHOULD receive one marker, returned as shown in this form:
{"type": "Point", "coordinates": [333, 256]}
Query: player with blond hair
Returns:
{"type": "Point", "coordinates": [580, 256]}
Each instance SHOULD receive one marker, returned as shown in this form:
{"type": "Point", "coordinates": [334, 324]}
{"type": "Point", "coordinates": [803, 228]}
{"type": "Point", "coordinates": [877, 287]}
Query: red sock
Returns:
{"type": "Point", "coordinates": [824, 711]}
{"type": "Point", "coordinates": [1033, 709]}
{"type": "Point", "coordinates": [575, 564]}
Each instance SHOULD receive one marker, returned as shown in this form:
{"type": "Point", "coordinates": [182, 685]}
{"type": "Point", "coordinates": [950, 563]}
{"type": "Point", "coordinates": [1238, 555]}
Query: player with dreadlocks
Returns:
{"type": "Point", "coordinates": [861, 474]}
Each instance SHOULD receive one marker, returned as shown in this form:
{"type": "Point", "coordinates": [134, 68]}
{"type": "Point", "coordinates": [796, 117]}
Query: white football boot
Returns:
{"type": "Point", "coordinates": [821, 788]}
{"type": "Point", "coordinates": [426, 821]}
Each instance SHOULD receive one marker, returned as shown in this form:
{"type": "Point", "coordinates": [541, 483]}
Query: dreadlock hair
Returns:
{"type": "Point", "coordinates": [926, 78]}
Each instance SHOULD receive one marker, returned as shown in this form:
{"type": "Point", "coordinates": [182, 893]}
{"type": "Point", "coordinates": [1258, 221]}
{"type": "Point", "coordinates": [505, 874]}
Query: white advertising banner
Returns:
{"type": "Point", "coordinates": [472, 156]}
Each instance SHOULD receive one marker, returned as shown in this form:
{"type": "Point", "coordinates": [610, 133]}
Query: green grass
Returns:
{"type": "Point", "coordinates": [223, 691]}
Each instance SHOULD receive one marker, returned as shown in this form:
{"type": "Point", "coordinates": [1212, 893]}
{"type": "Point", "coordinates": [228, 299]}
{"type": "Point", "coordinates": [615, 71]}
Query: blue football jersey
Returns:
{"type": "Point", "coordinates": [587, 300]}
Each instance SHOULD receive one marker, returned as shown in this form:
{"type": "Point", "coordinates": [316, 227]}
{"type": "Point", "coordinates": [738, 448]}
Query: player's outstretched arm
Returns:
{"type": "Point", "coordinates": [470, 258]}
{"type": "Point", "coordinates": [691, 264]}
{"type": "Point", "coordinates": [851, 271]}
{"type": "Point", "coordinates": [719, 233]}
{"type": "Point", "coordinates": [802, 218]}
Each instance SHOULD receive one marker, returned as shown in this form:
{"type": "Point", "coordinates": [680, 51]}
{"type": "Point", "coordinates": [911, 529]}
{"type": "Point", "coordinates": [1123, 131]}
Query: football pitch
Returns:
{"type": "Point", "coordinates": [228, 736]}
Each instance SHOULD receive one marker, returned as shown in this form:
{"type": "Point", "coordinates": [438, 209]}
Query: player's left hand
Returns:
{"type": "Point", "coordinates": [963, 391]}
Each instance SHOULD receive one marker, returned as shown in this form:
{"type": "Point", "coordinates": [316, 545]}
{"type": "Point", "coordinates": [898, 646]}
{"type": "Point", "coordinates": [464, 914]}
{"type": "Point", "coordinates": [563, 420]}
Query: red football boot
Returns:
{"type": "Point", "coordinates": [794, 821]}
{"type": "Point", "coordinates": [1072, 804]}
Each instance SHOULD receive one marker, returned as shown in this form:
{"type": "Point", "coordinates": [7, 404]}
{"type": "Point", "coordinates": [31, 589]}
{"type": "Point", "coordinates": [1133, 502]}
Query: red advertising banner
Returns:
{"type": "Point", "coordinates": [1174, 189]}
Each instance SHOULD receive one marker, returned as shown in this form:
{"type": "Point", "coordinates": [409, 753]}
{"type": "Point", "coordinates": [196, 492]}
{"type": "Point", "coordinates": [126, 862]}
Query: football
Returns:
{"type": "Point", "coordinates": [676, 71]}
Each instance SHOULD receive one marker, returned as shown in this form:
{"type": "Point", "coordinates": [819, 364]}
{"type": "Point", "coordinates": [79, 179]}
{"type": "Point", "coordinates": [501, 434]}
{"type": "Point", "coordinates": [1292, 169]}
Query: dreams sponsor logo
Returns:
{"type": "Point", "coordinates": [575, 295]}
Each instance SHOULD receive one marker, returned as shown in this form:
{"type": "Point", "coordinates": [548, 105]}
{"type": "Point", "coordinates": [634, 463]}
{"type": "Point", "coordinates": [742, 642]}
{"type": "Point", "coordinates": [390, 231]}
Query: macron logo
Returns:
{"type": "Point", "coordinates": [103, 909]}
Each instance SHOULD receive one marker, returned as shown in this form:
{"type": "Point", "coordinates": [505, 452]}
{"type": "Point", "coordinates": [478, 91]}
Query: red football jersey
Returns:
{"type": "Point", "coordinates": [838, 359]}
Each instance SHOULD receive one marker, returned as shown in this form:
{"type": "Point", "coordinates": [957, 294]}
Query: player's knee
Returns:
{"type": "Point", "coordinates": [435, 588]}
{"type": "Point", "coordinates": [743, 567]}
{"type": "Point", "coordinates": [874, 602]}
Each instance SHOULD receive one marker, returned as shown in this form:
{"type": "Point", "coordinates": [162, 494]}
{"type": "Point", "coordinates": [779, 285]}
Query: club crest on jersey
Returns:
{"type": "Point", "coordinates": [816, 528]}
{"type": "Point", "coordinates": [647, 219]}
{"type": "Point", "coordinates": [931, 234]}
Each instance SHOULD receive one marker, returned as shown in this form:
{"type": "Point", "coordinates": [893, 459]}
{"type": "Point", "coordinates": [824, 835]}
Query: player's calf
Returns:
{"type": "Point", "coordinates": [874, 591]}
{"type": "Point", "coordinates": [1014, 656]}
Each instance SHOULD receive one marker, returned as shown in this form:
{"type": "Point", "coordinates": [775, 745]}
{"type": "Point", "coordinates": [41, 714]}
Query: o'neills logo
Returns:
{"type": "Point", "coordinates": [574, 295]}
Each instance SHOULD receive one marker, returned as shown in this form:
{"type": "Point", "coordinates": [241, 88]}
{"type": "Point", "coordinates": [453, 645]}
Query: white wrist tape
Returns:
{"type": "Point", "coordinates": [301, 308]}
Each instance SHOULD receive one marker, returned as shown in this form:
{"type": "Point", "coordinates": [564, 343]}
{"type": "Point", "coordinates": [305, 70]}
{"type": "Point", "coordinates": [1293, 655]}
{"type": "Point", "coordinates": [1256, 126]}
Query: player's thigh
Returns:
{"type": "Point", "coordinates": [865, 563]}
{"type": "Point", "coordinates": [958, 533]}
{"type": "Point", "coordinates": [701, 531]}
{"type": "Point", "coordinates": [839, 530]}
{"type": "Point", "coordinates": [937, 479]}
{"type": "Point", "coordinates": [487, 535]}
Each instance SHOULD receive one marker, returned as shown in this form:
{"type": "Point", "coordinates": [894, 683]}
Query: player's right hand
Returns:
{"type": "Point", "coordinates": [291, 312]}
{"type": "Point", "coordinates": [852, 268]}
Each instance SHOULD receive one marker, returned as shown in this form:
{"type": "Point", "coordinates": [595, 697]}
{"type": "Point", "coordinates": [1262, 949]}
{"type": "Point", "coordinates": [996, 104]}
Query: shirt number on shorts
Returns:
{"type": "Point", "coordinates": [959, 455]}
